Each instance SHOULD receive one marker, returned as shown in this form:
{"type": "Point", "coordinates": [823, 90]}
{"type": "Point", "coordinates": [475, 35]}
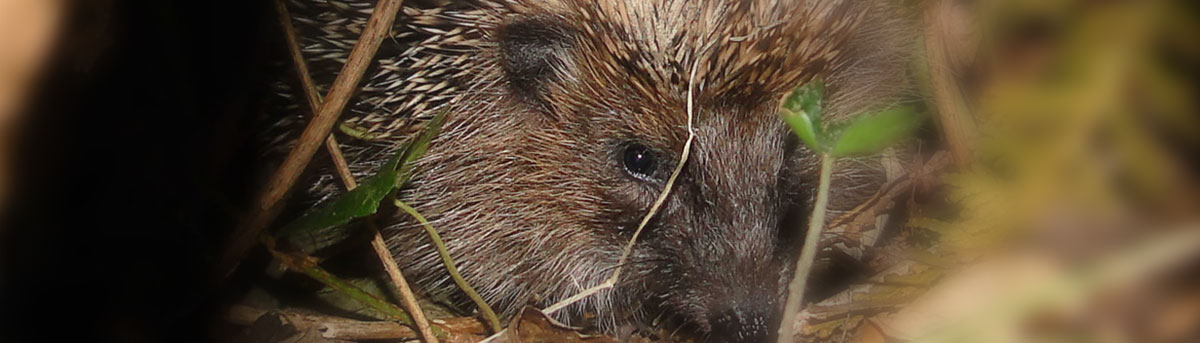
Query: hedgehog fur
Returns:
{"type": "Point", "coordinates": [525, 183]}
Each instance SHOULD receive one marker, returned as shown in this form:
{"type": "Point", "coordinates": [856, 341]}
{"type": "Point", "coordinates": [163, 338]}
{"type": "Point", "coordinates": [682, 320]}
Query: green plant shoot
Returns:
{"type": "Point", "coordinates": [802, 110]}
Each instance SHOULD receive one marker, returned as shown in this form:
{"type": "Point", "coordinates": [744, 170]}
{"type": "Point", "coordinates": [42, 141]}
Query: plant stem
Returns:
{"type": "Point", "coordinates": [407, 299]}
{"type": "Point", "coordinates": [493, 321]}
{"type": "Point", "coordinates": [807, 254]}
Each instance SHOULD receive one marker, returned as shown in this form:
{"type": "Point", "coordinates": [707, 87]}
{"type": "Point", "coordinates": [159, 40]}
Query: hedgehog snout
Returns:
{"type": "Point", "coordinates": [747, 321]}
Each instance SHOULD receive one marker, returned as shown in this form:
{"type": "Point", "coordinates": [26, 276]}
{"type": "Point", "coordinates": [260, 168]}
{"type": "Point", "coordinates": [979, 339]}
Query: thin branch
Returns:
{"type": "Point", "coordinates": [461, 329]}
{"type": "Point", "coordinates": [407, 299]}
{"type": "Point", "coordinates": [339, 162]}
{"type": "Point", "coordinates": [308, 266]}
{"type": "Point", "coordinates": [270, 199]}
{"type": "Point", "coordinates": [952, 113]}
{"type": "Point", "coordinates": [807, 254]}
{"type": "Point", "coordinates": [493, 321]}
{"type": "Point", "coordinates": [662, 197]}
{"type": "Point", "coordinates": [310, 91]}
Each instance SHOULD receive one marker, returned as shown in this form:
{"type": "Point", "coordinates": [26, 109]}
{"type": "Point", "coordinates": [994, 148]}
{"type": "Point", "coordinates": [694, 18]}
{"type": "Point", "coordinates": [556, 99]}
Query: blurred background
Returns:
{"type": "Point", "coordinates": [1062, 202]}
{"type": "Point", "coordinates": [124, 127]}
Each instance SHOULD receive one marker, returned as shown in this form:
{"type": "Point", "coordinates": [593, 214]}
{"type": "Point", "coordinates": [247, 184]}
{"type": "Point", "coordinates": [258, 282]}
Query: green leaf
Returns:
{"type": "Point", "coordinates": [807, 99]}
{"type": "Point", "coordinates": [417, 147]}
{"type": "Point", "coordinates": [872, 133]}
{"type": "Point", "coordinates": [349, 294]}
{"type": "Point", "coordinates": [801, 109]}
{"type": "Point", "coordinates": [324, 226]}
{"type": "Point", "coordinates": [357, 132]}
{"type": "Point", "coordinates": [803, 127]}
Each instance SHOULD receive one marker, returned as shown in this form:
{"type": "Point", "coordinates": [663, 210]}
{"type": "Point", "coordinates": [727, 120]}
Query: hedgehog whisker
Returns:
{"type": "Point", "coordinates": [634, 263]}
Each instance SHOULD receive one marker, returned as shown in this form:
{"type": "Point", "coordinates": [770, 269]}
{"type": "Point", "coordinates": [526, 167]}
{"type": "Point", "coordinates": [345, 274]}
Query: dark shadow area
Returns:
{"type": "Point", "coordinates": [131, 169]}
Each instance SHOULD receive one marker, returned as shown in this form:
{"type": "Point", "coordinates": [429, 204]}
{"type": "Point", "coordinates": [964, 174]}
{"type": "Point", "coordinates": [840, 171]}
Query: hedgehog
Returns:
{"type": "Point", "coordinates": [565, 118]}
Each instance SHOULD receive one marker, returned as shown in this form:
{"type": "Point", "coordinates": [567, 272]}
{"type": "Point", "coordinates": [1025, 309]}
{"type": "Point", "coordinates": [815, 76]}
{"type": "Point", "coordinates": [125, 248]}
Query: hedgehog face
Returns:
{"type": "Point", "coordinates": [715, 255]}
{"type": "Point", "coordinates": [607, 123]}
{"type": "Point", "coordinates": [569, 129]}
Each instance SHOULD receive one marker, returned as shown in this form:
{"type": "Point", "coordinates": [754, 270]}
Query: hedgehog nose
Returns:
{"type": "Point", "coordinates": [740, 326]}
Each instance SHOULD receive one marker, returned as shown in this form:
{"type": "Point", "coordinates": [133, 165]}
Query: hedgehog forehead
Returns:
{"type": "Point", "coordinates": [747, 52]}
{"type": "Point", "coordinates": [629, 62]}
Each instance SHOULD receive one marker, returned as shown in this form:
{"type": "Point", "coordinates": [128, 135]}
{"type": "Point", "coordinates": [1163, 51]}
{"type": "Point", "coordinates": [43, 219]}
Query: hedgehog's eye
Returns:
{"type": "Point", "coordinates": [639, 161]}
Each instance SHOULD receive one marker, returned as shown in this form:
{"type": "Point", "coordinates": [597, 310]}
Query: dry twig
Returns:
{"type": "Point", "coordinates": [310, 91]}
{"type": "Point", "coordinates": [458, 329]}
{"type": "Point", "coordinates": [407, 299]}
{"type": "Point", "coordinates": [308, 266]}
{"type": "Point", "coordinates": [952, 112]}
{"type": "Point", "coordinates": [270, 199]}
